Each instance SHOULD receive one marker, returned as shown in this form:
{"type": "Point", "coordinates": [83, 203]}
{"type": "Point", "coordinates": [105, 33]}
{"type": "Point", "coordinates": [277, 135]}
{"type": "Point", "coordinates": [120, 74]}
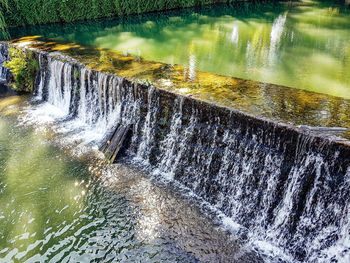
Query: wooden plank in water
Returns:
{"type": "Point", "coordinates": [108, 138]}
{"type": "Point", "coordinates": [116, 142]}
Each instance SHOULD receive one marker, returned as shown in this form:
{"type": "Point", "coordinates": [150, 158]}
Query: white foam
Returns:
{"type": "Point", "coordinates": [46, 117]}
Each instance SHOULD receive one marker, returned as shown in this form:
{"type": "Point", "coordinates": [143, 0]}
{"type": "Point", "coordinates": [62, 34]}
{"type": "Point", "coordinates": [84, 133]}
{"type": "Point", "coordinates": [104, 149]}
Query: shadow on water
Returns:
{"type": "Point", "coordinates": [6, 91]}
{"type": "Point", "coordinates": [83, 29]}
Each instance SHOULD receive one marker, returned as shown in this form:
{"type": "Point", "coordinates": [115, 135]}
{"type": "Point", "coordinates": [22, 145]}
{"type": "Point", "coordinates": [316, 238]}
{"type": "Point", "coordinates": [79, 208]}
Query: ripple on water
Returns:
{"type": "Point", "coordinates": [53, 208]}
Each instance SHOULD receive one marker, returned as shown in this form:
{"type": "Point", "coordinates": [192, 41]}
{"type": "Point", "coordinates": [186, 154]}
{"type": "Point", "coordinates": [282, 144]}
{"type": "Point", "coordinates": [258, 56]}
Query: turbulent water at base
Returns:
{"type": "Point", "coordinates": [56, 206]}
{"type": "Point", "coordinates": [292, 204]}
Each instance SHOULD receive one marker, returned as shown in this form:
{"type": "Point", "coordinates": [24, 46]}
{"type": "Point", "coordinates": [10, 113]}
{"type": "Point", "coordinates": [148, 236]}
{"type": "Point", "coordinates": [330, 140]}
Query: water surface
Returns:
{"type": "Point", "coordinates": [56, 207]}
{"type": "Point", "coordinates": [304, 44]}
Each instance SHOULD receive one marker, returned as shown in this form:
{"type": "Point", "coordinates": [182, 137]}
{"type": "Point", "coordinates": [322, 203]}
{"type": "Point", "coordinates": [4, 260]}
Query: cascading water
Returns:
{"type": "Point", "coordinates": [291, 190]}
{"type": "Point", "coordinates": [166, 163]}
{"type": "Point", "coordinates": [144, 149]}
{"type": "Point", "coordinates": [39, 91]}
{"type": "Point", "coordinates": [4, 72]}
{"type": "Point", "coordinates": [87, 99]}
{"type": "Point", "coordinates": [60, 88]}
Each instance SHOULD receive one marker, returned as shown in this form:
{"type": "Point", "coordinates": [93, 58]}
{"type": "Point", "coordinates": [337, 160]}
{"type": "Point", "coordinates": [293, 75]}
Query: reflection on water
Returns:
{"type": "Point", "coordinates": [57, 209]}
{"type": "Point", "coordinates": [303, 44]}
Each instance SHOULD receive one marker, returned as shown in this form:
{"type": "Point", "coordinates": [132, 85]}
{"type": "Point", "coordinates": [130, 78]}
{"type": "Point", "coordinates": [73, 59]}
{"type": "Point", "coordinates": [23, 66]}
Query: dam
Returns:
{"type": "Point", "coordinates": [270, 164]}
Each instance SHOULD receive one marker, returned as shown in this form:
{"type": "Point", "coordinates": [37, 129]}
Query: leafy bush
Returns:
{"type": "Point", "coordinates": [22, 12]}
{"type": "Point", "coordinates": [23, 67]}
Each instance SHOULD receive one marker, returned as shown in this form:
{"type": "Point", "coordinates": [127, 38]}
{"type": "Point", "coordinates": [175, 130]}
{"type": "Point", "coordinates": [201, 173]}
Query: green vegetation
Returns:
{"type": "Point", "coordinates": [23, 67]}
{"type": "Point", "coordinates": [23, 12]}
{"type": "Point", "coordinates": [76, 73]}
{"type": "Point", "coordinates": [76, 76]}
{"type": "Point", "coordinates": [145, 82]}
{"type": "Point", "coordinates": [104, 57]}
{"type": "Point", "coordinates": [3, 26]}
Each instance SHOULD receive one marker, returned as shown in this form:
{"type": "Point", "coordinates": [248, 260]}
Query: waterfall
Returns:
{"type": "Point", "coordinates": [4, 72]}
{"type": "Point", "coordinates": [168, 146]}
{"type": "Point", "coordinates": [58, 95]}
{"type": "Point", "coordinates": [145, 147]}
{"type": "Point", "coordinates": [289, 189]}
{"type": "Point", "coordinates": [92, 102]}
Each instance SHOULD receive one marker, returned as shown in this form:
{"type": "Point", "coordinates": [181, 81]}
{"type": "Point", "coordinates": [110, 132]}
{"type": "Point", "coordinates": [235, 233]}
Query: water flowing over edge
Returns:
{"type": "Point", "coordinates": [291, 190]}
{"type": "Point", "coordinates": [4, 73]}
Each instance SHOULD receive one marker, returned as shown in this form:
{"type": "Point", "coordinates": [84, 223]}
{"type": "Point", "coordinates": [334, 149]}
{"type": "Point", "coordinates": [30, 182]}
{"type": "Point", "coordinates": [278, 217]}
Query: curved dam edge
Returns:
{"type": "Point", "coordinates": [288, 185]}
{"type": "Point", "coordinates": [318, 113]}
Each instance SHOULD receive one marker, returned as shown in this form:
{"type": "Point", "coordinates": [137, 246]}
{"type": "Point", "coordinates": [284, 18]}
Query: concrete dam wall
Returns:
{"type": "Point", "coordinates": [288, 185]}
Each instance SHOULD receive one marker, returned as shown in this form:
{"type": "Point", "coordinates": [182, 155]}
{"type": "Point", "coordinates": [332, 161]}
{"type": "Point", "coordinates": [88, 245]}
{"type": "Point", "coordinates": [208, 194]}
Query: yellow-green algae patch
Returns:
{"type": "Point", "coordinates": [279, 103]}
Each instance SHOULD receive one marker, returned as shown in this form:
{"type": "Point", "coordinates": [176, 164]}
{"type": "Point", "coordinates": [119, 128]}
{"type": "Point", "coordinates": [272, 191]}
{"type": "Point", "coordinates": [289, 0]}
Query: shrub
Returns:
{"type": "Point", "coordinates": [23, 67]}
{"type": "Point", "coordinates": [22, 12]}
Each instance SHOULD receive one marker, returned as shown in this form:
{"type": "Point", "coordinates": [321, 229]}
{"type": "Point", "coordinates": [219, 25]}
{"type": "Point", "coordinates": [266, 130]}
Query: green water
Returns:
{"type": "Point", "coordinates": [303, 44]}
{"type": "Point", "coordinates": [55, 207]}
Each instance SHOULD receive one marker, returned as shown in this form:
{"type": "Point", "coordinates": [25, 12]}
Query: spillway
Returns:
{"type": "Point", "coordinates": [287, 186]}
